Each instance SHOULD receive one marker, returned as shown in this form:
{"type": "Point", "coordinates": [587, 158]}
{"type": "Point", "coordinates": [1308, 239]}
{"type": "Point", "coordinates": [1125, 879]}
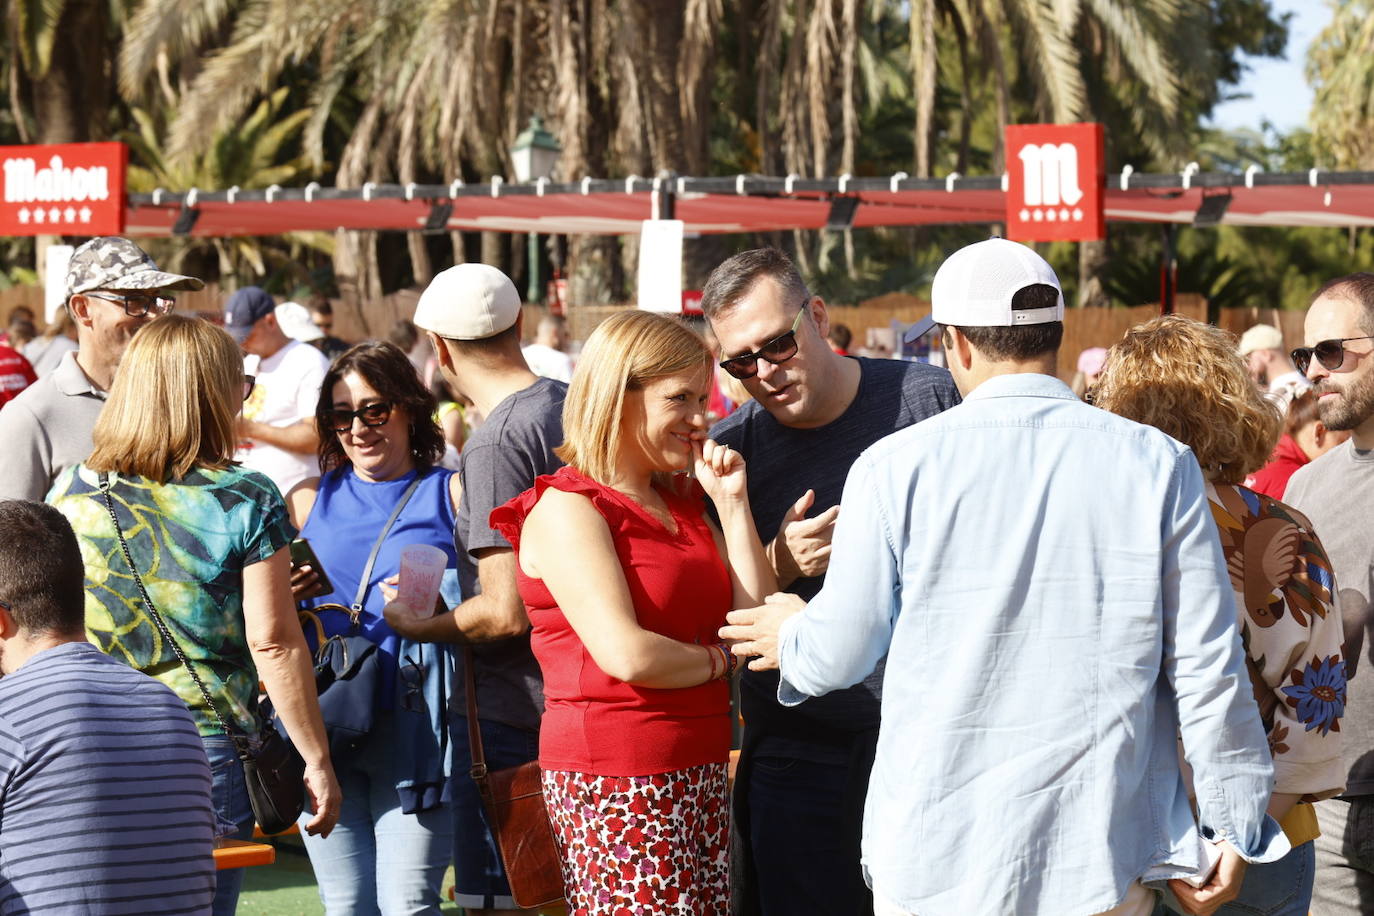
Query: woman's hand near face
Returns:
{"type": "Point", "coordinates": [720, 469]}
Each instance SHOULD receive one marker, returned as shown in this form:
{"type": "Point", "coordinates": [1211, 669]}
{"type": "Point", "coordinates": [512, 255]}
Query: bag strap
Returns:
{"type": "Point", "coordinates": [478, 770]}
{"type": "Point", "coordinates": [356, 607]}
{"type": "Point", "coordinates": [240, 743]}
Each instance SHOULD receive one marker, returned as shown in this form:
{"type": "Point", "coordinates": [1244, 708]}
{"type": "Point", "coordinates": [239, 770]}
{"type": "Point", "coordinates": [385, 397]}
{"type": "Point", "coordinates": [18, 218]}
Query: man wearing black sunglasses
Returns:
{"type": "Point", "coordinates": [113, 289]}
{"type": "Point", "coordinates": [803, 771]}
{"type": "Point", "coordinates": [1336, 491]}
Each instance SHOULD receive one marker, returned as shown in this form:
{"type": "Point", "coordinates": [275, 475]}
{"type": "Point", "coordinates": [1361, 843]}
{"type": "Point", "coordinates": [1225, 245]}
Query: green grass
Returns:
{"type": "Point", "coordinates": [287, 887]}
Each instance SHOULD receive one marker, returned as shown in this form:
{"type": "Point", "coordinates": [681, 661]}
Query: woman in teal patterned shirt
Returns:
{"type": "Point", "coordinates": [209, 539]}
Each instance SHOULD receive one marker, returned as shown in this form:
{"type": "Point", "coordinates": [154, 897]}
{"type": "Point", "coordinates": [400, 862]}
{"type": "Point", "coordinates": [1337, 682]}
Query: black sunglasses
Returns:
{"type": "Point", "coordinates": [777, 351]}
{"type": "Point", "coordinates": [1330, 353]}
{"type": "Point", "coordinates": [374, 414]}
{"type": "Point", "coordinates": [136, 305]}
{"type": "Point", "coordinates": [248, 382]}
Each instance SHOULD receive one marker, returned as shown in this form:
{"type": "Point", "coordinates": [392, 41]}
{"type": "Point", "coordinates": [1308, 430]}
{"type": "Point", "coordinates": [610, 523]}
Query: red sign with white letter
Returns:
{"type": "Point", "coordinates": [1056, 176]}
{"type": "Point", "coordinates": [63, 189]}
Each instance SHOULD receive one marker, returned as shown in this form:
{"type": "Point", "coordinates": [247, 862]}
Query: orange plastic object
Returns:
{"type": "Point", "coordinates": [289, 831]}
{"type": "Point", "coordinates": [243, 853]}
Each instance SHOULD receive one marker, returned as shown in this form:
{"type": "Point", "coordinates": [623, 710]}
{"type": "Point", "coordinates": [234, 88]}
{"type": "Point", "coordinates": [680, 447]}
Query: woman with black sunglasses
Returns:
{"type": "Point", "coordinates": [378, 440]}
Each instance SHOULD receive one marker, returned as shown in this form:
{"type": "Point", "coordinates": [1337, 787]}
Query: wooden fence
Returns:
{"type": "Point", "coordinates": [1083, 328]}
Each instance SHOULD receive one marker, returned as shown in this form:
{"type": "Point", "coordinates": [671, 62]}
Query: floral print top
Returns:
{"type": "Point", "coordinates": [191, 539]}
{"type": "Point", "coordinates": [1292, 636]}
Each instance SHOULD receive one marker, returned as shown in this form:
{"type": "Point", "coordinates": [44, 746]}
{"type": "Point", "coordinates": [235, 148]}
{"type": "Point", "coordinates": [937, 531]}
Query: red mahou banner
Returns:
{"type": "Point", "coordinates": [63, 189]}
{"type": "Point", "coordinates": [1056, 182]}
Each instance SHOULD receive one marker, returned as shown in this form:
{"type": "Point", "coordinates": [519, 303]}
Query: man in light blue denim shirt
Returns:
{"type": "Point", "coordinates": [1047, 584]}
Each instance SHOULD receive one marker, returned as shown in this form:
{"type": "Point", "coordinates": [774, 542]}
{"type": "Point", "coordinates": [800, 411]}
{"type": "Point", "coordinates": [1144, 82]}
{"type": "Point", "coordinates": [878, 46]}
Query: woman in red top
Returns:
{"type": "Point", "coordinates": [626, 582]}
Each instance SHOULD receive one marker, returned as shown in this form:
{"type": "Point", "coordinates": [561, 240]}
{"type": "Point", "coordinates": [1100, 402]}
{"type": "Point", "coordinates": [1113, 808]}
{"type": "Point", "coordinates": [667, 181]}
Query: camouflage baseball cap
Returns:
{"type": "Point", "coordinates": [110, 262]}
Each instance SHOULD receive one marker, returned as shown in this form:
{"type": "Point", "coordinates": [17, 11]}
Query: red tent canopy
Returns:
{"type": "Point", "coordinates": [740, 204]}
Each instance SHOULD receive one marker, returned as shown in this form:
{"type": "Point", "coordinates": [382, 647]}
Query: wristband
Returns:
{"type": "Point", "coordinates": [710, 660]}
{"type": "Point", "coordinates": [730, 659]}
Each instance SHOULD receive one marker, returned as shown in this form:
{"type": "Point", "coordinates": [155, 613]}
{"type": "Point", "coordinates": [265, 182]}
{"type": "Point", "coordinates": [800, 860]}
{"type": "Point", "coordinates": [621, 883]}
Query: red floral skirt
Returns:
{"type": "Point", "coordinates": [643, 845]}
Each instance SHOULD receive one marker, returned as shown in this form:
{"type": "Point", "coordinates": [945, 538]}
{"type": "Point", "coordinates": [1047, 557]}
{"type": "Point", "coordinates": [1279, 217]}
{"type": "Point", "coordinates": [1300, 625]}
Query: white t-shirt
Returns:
{"type": "Point", "coordinates": [286, 392]}
{"type": "Point", "coordinates": [548, 362]}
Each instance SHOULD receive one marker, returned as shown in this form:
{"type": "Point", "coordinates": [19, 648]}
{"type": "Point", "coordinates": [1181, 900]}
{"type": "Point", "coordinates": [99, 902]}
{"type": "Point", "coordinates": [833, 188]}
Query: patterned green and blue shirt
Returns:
{"type": "Point", "coordinates": [191, 539]}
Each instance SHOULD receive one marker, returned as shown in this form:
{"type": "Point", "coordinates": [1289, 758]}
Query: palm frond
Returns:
{"type": "Point", "coordinates": [174, 27]}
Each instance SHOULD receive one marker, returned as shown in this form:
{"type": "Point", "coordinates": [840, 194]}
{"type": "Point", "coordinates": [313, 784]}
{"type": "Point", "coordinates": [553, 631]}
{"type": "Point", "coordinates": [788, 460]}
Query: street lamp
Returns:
{"type": "Point", "coordinates": [534, 155]}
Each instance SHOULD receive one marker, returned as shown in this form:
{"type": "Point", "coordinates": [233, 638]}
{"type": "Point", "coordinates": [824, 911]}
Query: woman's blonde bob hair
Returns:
{"type": "Point", "coordinates": [1186, 379]}
{"type": "Point", "coordinates": [173, 403]}
{"type": "Point", "coordinates": [625, 351]}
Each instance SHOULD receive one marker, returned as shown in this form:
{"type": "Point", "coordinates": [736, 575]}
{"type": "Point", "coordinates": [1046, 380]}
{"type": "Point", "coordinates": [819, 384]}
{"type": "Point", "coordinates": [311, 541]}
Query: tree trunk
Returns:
{"type": "Point", "coordinates": [420, 263]}
{"type": "Point", "coordinates": [1093, 258]}
{"type": "Point", "coordinates": [70, 100]}
{"type": "Point", "coordinates": [493, 245]}
{"type": "Point", "coordinates": [346, 277]}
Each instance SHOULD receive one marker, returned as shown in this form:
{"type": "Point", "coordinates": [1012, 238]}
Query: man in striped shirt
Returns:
{"type": "Point", "coordinates": [104, 785]}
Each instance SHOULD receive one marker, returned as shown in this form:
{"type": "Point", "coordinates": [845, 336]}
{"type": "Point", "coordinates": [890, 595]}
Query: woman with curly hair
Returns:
{"type": "Point", "coordinates": [1186, 379]}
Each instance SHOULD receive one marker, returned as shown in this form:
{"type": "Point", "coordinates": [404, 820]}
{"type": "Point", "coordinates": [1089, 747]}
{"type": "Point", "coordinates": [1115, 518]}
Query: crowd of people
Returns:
{"type": "Point", "coordinates": [1002, 645]}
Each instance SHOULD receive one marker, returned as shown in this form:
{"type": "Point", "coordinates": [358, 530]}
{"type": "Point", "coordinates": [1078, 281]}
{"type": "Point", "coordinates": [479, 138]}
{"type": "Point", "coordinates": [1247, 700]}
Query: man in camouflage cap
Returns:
{"type": "Point", "coordinates": [113, 289]}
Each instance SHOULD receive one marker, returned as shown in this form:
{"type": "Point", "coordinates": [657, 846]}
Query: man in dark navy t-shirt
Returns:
{"type": "Point", "coordinates": [804, 770]}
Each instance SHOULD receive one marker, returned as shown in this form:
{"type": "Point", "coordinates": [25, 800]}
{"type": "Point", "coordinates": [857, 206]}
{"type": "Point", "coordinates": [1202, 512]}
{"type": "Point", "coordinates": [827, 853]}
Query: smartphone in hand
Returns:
{"type": "Point", "coordinates": [303, 555]}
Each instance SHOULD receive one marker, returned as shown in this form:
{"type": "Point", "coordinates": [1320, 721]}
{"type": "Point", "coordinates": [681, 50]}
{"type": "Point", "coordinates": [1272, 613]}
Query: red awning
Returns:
{"type": "Point", "coordinates": [742, 204]}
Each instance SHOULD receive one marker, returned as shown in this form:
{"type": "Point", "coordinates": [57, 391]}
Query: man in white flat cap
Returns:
{"type": "Point", "coordinates": [1270, 366]}
{"type": "Point", "coordinates": [472, 315]}
{"type": "Point", "coordinates": [1046, 583]}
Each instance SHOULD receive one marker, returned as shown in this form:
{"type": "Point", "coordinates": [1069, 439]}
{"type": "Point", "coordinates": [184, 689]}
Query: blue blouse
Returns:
{"type": "Point", "coordinates": [342, 528]}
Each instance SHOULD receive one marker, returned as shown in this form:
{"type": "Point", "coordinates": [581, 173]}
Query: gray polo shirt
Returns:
{"type": "Point", "coordinates": [47, 429]}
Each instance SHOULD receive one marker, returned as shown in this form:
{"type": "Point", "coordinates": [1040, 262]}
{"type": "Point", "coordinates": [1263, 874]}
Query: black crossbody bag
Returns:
{"type": "Point", "coordinates": [348, 671]}
{"type": "Point", "coordinates": [274, 770]}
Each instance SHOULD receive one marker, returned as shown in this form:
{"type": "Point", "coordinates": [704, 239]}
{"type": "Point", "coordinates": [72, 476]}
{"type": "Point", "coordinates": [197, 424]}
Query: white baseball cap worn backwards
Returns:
{"type": "Point", "coordinates": [974, 288]}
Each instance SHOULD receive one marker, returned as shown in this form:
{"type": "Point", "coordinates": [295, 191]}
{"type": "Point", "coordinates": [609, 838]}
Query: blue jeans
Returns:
{"type": "Point", "coordinates": [1282, 888]}
{"type": "Point", "coordinates": [479, 877]}
{"type": "Point", "coordinates": [379, 861]}
{"type": "Point", "coordinates": [797, 834]}
{"type": "Point", "coordinates": [1345, 857]}
{"type": "Point", "coordinates": [233, 814]}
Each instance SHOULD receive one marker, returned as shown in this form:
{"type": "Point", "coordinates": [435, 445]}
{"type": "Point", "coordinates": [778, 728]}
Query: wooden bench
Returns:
{"type": "Point", "coordinates": [242, 854]}
{"type": "Point", "coordinates": [289, 831]}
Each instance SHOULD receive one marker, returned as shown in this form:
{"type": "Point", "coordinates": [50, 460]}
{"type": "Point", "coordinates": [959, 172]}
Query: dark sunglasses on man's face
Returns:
{"type": "Point", "coordinates": [777, 351]}
{"type": "Point", "coordinates": [375, 414]}
{"type": "Point", "coordinates": [1330, 353]}
{"type": "Point", "coordinates": [136, 305]}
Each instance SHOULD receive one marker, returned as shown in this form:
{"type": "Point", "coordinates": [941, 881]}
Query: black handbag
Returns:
{"type": "Point", "coordinates": [273, 770]}
{"type": "Point", "coordinates": [347, 674]}
{"type": "Point", "coordinates": [347, 663]}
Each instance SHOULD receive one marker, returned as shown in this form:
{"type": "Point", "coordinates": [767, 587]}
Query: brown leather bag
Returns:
{"type": "Point", "coordinates": [513, 799]}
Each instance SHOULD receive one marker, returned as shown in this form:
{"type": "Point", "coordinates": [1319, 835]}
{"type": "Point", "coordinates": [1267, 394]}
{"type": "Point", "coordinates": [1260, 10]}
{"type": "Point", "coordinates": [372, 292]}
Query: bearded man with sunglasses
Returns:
{"type": "Point", "coordinates": [1336, 491]}
{"type": "Point", "coordinates": [113, 289]}
{"type": "Point", "coordinates": [803, 771]}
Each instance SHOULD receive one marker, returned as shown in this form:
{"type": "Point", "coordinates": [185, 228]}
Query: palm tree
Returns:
{"type": "Point", "coordinates": [257, 152]}
{"type": "Point", "coordinates": [1340, 67]}
{"type": "Point", "coordinates": [58, 54]}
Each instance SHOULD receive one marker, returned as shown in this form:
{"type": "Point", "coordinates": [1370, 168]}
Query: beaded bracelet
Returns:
{"type": "Point", "coordinates": [730, 658]}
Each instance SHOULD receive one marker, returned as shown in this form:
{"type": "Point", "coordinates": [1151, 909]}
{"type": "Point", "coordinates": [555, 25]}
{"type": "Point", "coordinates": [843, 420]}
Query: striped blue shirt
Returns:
{"type": "Point", "coordinates": [104, 791]}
